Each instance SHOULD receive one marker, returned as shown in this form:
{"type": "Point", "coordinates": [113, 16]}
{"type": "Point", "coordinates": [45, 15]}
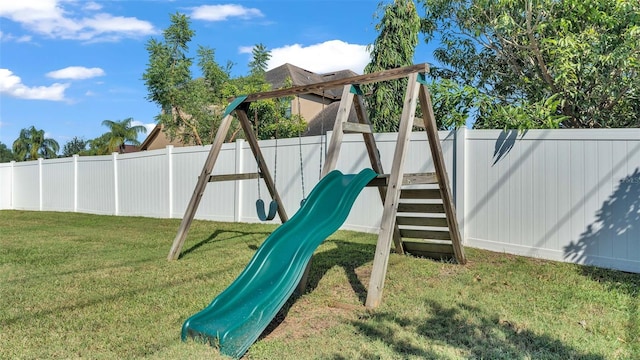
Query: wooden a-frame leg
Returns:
{"type": "Point", "coordinates": [441, 174]}
{"type": "Point", "coordinates": [381, 258]}
{"type": "Point", "coordinates": [257, 153]}
{"type": "Point", "coordinates": [203, 180]}
{"type": "Point", "coordinates": [376, 165]}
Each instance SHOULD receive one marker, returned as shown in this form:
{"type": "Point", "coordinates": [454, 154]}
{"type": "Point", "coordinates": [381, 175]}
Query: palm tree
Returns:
{"type": "Point", "coordinates": [32, 144]}
{"type": "Point", "coordinates": [121, 133]}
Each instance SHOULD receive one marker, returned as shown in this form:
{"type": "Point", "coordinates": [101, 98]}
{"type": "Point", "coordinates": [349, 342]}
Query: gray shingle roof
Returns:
{"type": "Point", "coordinates": [299, 76]}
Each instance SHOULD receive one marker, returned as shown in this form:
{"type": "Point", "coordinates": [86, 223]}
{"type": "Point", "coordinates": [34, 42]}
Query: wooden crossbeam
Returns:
{"type": "Point", "coordinates": [384, 75]}
{"type": "Point", "coordinates": [230, 177]}
{"type": "Point", "coordinates": [348, 127]}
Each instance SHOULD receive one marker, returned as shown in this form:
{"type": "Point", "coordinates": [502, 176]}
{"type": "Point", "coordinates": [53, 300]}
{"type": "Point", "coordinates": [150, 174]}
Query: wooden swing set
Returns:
{"type": "Point", "coordinates": [409, 211]}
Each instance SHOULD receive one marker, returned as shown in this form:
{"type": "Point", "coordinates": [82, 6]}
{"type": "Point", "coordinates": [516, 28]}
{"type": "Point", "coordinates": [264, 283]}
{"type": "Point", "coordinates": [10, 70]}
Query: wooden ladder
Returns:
{"type": "Point", "coordinates": [422, 220]}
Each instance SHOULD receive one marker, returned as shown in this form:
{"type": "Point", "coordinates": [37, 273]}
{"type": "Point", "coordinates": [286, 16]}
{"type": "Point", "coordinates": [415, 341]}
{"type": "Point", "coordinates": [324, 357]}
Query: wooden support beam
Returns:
{"type": "Point", "coordinates": [381, 258]}
{"type": "Point", "coordinates": [230, 177]}
{"type": "Point", "coordinates": [348, 127]}
{"type": "Point", "coordinates": [441, 173]}
{"type": "Point", "coordinates": [262, 164]}
{"type": "Point", "coordinates": [203, 180]}
{"type": "Point", "coordinates": [360, 79]}
{"type": "Point", "coordinates": [376, 163]}
{"type": "Point", "coordinates": [333, 150]}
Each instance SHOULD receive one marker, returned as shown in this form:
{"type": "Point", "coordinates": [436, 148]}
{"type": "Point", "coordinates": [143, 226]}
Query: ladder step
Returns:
{"type": "Point", "coordinates": [348, 127]}
{"type": "Point", "coordinates": [421, 208]}
{"type": "Point", "coordinates": [421, 221]}
{"type": "Point", "coordinates": [430, 249]}
{"type": "Point", "coordinates": [229, 177]}
{"type": "Point", "coordinates": [409, 179]}
{"type": "Point", "coordinates": [420, 194]}
{"type": "Point", "coordinates": [420, 178]}
{"type": "Point", "coordinates": [425, 234]}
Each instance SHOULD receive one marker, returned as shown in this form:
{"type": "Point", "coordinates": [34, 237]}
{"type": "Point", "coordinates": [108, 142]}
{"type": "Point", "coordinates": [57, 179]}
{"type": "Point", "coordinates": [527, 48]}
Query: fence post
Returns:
{"type": "Point", "coordinates": [459, 182]}
{"type": "Point", "coordinates": [40, 197]}
{"type": "Point", "coordinates": [75, 182]}
{"type": "Point", "coordinates": [239, 188]}
{"type": "Point", "coordinates": [169, 153]}
{"type": "Point", "coordinates": [116, 205]}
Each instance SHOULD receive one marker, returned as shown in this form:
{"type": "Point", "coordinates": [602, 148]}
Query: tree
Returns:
{"type": "Point", "coordinates": [74, 146]}
{"type": "Point", "coordinates": [6, 155]}
{"type": "Point", "coordinates": [539, 64]}
{"type": "Point", "coordinates": [191, 108]}
{"type": "Point", "coordinates": [394, 47]}
{"type": "Point", "coordinates": [121, 133]}
{"type": "Point", "coordinates": [260, 59]}
{"type": "Point", "coordinates": [32, 144]}
{"type": "Point", "coordinates": [99, 145]}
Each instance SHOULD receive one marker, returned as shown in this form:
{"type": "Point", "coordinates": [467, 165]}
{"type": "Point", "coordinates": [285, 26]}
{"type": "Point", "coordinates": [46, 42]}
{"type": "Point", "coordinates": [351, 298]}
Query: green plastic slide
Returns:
{"type": "Point", "coordinates": [237, 317]}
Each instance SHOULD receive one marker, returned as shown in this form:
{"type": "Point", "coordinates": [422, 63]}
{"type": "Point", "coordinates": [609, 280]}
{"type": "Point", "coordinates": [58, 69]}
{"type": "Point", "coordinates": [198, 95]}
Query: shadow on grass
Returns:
{"type": "Point", "coordinates": [475, 333]}
{"type": "Point", "coordinates": [217, 234]}
{"type": "Point", "coordinates": [629, 285]}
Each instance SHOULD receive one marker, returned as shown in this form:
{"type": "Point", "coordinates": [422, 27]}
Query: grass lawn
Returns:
{"type": "Point", "coordinates": [100, 287]}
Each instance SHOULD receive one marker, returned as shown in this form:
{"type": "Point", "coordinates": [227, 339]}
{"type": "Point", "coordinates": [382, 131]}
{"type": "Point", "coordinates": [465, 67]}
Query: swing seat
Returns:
{"type": "Point", "coordinates": [262, 215]}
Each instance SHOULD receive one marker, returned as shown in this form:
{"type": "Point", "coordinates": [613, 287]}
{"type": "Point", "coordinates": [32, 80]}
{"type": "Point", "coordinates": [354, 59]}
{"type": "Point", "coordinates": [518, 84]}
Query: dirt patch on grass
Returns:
{"type": "Point", "coordinates": [306, 319]}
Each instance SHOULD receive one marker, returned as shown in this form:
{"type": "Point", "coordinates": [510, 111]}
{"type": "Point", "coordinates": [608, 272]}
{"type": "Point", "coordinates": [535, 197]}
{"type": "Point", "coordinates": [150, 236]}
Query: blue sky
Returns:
{"type": "Point", "coordinates": [67, 65]}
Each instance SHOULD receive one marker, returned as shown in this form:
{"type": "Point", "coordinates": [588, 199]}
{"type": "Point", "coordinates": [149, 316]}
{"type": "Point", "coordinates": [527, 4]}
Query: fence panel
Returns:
{"type": "Point", "coordinates": [6, 185]}
{"type": "Point", "coordinates": [143, 184]}
{"type": "Point", "coordinates": [26, 185]}
{"type": "Point", "coordinates": [96, 185]}
{"type": "Point", "coordinates": [58, 184]}
{"type": "Point", "coordinates": [561, 195]}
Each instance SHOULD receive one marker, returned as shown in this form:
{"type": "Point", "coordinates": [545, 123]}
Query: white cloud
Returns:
{"type": "Point", "coordinates": [322, 58]}
{"type": "Point", "coordinates": [92, 6]}
{"type": "Point", "coordinates": [245, 50]}
{"type": "Point", "coordinates": [10, 37]}
{"type": "Point", "coordinates": [50, 18]}
{"type": "Point", "coordinates": [12, 85]}
{"type": "Point", "coordinates": [148, 126]}
{"type": "Point", "coordinates": [224, 12]}
{"type": "Point", "coordinates": [76, 73]}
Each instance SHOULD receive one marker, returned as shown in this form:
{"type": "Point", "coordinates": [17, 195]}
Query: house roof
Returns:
{"type": "Point", "coordinates": [299, 76]}
{"type": "Point", "coordinates": [326, 118]}
{"type": "Point", "coordinates": [151, 137]}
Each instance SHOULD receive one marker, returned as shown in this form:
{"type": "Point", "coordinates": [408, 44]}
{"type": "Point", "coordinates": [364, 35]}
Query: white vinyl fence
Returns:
{"type": "Point", "coordinates": [568, 195]}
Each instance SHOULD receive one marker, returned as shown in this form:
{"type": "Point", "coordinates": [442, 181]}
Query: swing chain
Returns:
{"type": "Point", "coordinates": [304, 196]}
{"type": "Point", "coordinates": [322, 136]}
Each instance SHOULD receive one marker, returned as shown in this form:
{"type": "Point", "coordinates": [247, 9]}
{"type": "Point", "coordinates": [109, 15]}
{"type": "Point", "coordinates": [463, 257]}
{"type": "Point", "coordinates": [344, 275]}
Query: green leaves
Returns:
{"type": "Point", "coordinates": [579, 57]}
{"type": "Point", "coordinates": [394, 47]}
{"type": "Point", "coordinates": [32, 144]}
